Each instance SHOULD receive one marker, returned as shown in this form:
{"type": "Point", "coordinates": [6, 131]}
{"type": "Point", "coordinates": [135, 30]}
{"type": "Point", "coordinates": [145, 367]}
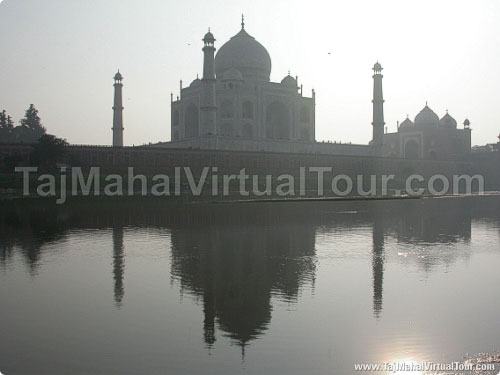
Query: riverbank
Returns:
{"type": "Point", "coordinates": [35, 201]}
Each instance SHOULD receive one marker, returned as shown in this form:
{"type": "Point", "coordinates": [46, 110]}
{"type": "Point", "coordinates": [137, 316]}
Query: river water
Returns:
{"type": "Point", "coordinates": [142, 287]}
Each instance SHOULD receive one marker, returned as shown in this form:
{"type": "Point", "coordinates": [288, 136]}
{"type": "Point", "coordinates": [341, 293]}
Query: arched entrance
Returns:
{"type": "Point", "coordinates": [277, 121]}
{"type": "Point", "coordinates": [192, 121]}
{"type": "Point", "coordinates": [412, 150]}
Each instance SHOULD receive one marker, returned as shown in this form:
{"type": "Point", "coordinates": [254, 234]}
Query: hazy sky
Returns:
{"type": "Point", "coordinates": [61, 55]}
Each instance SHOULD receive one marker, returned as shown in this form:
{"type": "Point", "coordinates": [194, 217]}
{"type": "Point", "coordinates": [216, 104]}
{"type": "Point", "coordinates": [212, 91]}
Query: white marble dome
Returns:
{"type": "Point", "coordinates": [427, 117]}
{"type": "Point", "coordinates": [289, 81]}
{"type": "Point", "coordinates": [245, 54]}
{"type": "Point", "coordinates": [195, 82]}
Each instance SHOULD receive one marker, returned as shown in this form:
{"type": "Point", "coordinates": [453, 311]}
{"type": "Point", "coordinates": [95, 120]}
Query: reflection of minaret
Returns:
{"type": "Point", "coordinates": [118, 264]}
{"type": "Point", "coordinates": [378, 266]}
{"type": "Point", "coordinates": [209, 303]}
{"type": "Point", "coordinates": [209, 318]}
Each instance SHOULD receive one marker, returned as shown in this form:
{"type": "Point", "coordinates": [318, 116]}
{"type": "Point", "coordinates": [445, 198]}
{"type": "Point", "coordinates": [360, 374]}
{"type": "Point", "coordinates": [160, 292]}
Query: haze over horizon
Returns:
{"type": "Point", "coordinates": [62, 56]}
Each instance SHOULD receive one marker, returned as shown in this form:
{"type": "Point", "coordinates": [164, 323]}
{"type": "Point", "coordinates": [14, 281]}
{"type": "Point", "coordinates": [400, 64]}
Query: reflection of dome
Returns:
{"type": "Point", "coordinates": [232, 74]}
{"type": "Point", "coordinates": [448, 122]}
{"type": "Point", "coordinates": [406, 124]}
{"type": "Point", "coordinates": [289, 81]}
{"type": "Point", "coordinates": [247, 55]}
{"type": "Point", "coordinates": [426, 117]}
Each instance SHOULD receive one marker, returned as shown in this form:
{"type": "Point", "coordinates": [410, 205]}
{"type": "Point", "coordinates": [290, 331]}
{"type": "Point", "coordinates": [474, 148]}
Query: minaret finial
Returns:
{"type": "Point", "coordinates": [242, 21]}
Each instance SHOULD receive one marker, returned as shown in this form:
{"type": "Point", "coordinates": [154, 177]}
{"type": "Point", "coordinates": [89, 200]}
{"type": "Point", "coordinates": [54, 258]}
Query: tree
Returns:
{"type": "Point", "coordinates": [10, 123]}
{"type": "Point", "coordinates": [6, 126]}
{"type": "Point", "coordinates": [30, 128]}
{"type": "Point", "coordinates": [48, 151]}
{"type": "Point", "coordinates": [3, 120]}
{"type": "Point", "coordinates": [32, 121]}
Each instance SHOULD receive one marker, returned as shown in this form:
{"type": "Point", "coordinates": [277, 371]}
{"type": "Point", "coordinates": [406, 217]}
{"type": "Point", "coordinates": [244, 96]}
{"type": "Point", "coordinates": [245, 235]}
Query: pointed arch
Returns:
{"type": "Point", "coordinates": [227, 109]}
{"type": "Point", "coordinates": [277, 121]}
{"type": "Point", "coordinates": [247, 109]}
{"type": "Point", "coordinates": [305, 116]}
{"type": "Point", "coordinates": [412, 149]}
{"type": "Point", "coordinates": [176, 117]}
{"type": "Point", "coordinates": [192, 121]}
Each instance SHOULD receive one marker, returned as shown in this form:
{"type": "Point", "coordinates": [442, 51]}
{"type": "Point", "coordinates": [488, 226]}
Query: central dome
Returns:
{"type": "Point", "coordinates": [247, 55]}
{"type": "Point", "coordinates": [427, 117]}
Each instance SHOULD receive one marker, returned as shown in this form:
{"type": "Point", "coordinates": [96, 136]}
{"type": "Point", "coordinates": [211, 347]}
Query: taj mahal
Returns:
{"type": "Point", "coordinates": [235, 97]}
{"type": "Point", "coordinates": [234, 106]}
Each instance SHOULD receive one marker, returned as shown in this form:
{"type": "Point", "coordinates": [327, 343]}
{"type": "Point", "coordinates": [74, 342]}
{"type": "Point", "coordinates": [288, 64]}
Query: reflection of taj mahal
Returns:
{"type": "Point", "coordinates": [236, 99]}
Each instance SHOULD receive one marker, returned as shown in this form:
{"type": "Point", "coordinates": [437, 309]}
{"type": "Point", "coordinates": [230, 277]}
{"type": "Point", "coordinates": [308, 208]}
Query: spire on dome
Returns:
{"type": "Point", "coordinates": [242, 21]}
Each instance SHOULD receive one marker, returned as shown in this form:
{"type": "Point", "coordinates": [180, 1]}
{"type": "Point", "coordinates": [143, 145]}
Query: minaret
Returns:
{"type": "Point", "coordinates": [208, 104]}
{"type": "Point", "coordinates": [378, 109]}
{"type": "Point", "coordinates": [118, 112]}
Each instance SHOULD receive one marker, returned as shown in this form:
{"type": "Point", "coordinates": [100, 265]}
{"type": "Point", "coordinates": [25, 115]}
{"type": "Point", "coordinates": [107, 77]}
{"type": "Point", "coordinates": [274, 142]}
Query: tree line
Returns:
{"type": "Point", "coordinates": [29, 130]}
{"type": "Point", "coordinates": [47, 151]}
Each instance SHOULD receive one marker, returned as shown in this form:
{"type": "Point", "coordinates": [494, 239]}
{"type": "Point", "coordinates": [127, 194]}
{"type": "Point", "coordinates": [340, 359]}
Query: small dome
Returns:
{"type": "Point", "coordinates": [427, 117]}
{"type": "Point", "coordinates": [377, 67]}
{"type": "Point", "coordinates": [448, 122]}
{"type": "Point", "coordinates": [232, 74]}
{"type": "Point", "coordinates": [118, 76]}
{"type": "Point", "coordinates": [209, 37]}
{"type": "Point", "coordinates": [466, 123]}
{"type": "Point", "coordinates": [406, 124]}
{"type": "Point", "coordinates": [289, 81]}
{"type": "Point", "coordinates": [195, 82]}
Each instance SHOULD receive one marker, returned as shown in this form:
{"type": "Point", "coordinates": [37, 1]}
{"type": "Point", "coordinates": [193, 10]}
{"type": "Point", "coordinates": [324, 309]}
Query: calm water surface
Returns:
{"type": "Point", "coordinates": [281, 288]}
